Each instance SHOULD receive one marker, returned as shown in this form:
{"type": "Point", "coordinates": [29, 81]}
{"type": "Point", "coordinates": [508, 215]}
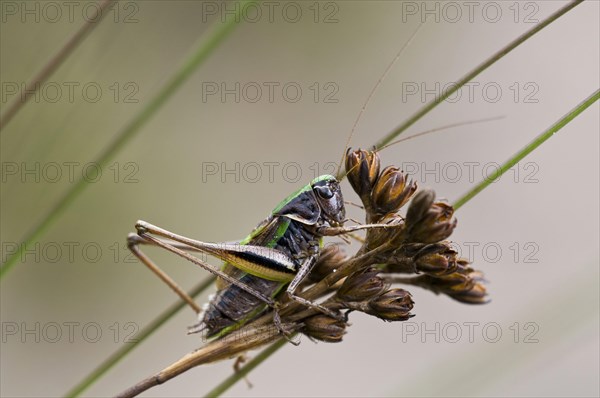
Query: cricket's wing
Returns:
{"type": "Point", "coordinates": [255, 255]}
{"type": "Point", "coordinates": [262, 235]}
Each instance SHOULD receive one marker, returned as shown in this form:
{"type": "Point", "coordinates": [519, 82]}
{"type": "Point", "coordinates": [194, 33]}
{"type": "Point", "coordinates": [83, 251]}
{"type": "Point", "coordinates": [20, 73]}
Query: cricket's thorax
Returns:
{"type": "Point", "coordinates": [230, 304]}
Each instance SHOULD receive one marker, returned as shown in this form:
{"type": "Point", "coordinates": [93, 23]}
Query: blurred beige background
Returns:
{"type": "Point", "coordinates": [534, 233]}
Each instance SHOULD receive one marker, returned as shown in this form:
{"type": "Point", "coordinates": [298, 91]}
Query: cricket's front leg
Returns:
{"type": "Point", "coordinates": [334, 231]}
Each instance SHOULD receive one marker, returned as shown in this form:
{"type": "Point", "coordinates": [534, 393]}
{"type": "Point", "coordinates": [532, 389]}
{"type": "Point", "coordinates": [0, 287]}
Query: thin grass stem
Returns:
{"type": "Point", "coordinates": [55, 62]}
{"type": "Point", "coordinates": [215, 36]}
{"type": "Point", "coordinates": [471, 75]}
{"type": "Point", "coordinates": [146, 332]}
{"type": "Point", "coordinates": [537, 141]}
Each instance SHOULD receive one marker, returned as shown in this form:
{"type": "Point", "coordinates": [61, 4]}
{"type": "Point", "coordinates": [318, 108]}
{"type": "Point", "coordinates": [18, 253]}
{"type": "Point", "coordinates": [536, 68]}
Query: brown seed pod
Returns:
{"type": "Point", "coordinates": [362, 286]}
{"type": "Point", "coordinates": [429, 221]}
{"type": "Point", "coordinates": [393, 305]}
{"type": "Point", "coordinates": [324, 328]}
{"type": "Point", "coordinates": [391, 191]}
{"type": "Point", "coordinates": [362, 168]}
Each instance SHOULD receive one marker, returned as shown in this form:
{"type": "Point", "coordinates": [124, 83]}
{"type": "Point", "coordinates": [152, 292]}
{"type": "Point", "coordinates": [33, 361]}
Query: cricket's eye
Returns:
{"type": "Point", "coordinates": [324, 192]}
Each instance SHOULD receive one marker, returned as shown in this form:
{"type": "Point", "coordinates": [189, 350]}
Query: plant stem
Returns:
{"type": "Point", "coordinates": [539, 140]}
{"type": "Point", "coordinates": [215, 36]}
{"type": "Point", "coordinates": [139, 338]}
{"type": "Point", "coordinates": [229, 346]}
{"type": "Point", "coordinates": [55, 62]}
{"type": "Point", "coordinates": [471, 75]}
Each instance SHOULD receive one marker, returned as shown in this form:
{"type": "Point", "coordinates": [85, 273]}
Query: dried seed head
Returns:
{"type": "Point", "coordinates": [324, 328]}
{"type": "Point", "coordinates": [363, 169]}
{"type": "Point", "coordinates": [391, 191]}
{"type": "Point", "coordinates": [474, 292]}
{"type": "Point", "coordinates": [420, 205]}
{"type": "Point", "coordinates": [476, 295]}
{"type": "Point", "coordinates": [436, 259]}
{"type": "Point", "coordinates": [401, 259]}
{"type": "Point", "coordinates": [429, 221]}
{"type": "Point", "coordinates": [393, 305]}
{"type": "Point", "coordinates": [465, 285]}
{"type": "Point", "coordinates": [362, 286]}
{"type": "Point", "coordinates": [330, 259]}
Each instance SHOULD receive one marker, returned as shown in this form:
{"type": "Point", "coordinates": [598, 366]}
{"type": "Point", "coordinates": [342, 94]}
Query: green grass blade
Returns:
{"type": "Point", "coordinates": [539, 140]}
{"type": "Point", "coordinates": [55, 62]}
{"type": "Point", "coordinates": [111, 361]}
{"type": "Point", "coordinates": [214, 37]}
{"type": "Point", "coordinates": [471, 75]}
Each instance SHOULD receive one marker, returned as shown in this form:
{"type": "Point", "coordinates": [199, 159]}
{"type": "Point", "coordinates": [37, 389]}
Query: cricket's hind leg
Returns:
{"type": "Point", "coordinates": [146, 231]}
{"type": "Point", "coordinates": [133, 243]}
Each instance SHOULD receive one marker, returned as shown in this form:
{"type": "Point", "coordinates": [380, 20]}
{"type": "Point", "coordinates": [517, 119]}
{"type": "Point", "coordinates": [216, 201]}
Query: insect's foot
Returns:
{"type": "Point", "coordinates": [199, 328]}
{"type": "Point", "coordinates": [288, 336]}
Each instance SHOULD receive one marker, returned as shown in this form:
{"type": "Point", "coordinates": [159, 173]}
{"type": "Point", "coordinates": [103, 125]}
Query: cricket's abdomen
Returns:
{"type": "Point", "coordinates": [232, 306]}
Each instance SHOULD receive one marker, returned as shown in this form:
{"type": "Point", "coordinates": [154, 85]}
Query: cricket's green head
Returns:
{"type": "Point", "coordinates": [329, 196]}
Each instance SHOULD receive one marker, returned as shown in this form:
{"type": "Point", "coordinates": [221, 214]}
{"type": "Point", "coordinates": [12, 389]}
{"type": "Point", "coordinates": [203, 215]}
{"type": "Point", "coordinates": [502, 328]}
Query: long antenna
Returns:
{"type": "Point", "coordinates": [381, 79]}
{"type": "Point", "coordinates": [436, 129]}
{"type": "Point", "coordinates": [422, 133]}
